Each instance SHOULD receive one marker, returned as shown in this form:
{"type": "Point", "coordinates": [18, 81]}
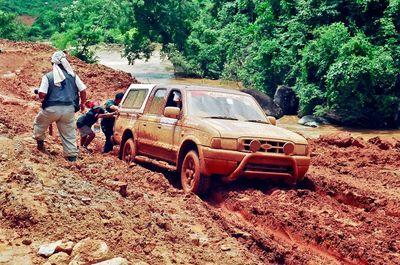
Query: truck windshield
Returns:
{"type": "Point", "coordinates": [217, 105]}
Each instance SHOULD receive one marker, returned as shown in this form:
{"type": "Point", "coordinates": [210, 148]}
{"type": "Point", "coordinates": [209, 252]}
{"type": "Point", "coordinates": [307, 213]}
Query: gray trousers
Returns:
{"type": "Point", "coordinates": [64, 117]}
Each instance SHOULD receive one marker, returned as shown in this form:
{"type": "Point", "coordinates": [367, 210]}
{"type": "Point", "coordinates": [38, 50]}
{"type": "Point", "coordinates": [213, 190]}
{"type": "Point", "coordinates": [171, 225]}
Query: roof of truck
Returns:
{"type": "Point", "coordinates": [189, 88]}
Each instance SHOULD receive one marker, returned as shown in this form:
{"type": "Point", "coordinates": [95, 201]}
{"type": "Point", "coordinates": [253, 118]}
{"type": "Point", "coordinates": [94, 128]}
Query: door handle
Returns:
{"type": "Point", "coordinates": [159, 126]}
{"type": "Point", "coordinates": [144, 124]}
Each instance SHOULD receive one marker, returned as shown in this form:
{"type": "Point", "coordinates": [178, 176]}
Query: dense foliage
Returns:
{"type": "Point", "coordinates": [10, 27]}
{"type": "Point", "coordinates": [31, 7]}
{"type": "Point", "coordinates": [341, 56]}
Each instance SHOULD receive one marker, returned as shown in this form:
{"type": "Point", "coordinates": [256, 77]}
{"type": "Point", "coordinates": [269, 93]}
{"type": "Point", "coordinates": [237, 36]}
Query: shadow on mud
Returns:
{"type": "Point", "coordinates": [265, 186]}
{"type": "Point", "coordinates": [219, 190]}
{"type": "Point", "coordinates": [241, 185]}
{"type": "Point", "coordinates": [172, 177]}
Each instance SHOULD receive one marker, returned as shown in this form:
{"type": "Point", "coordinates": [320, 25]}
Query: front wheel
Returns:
{"type": "Point", "coordinates": [191, 179]}
{"type": "Point", "coordinates": [129, 151]}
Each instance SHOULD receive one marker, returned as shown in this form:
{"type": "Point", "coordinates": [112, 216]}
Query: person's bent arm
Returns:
{"type": "Point", "coordinates": [44, 88]}
{"type": "Point", "coordinates": [113, 108]}
{"type": "Point", "coordinates": [107, 115]}
{"type": "Point", "coordinates": [83, 96]}
{"type": "Point", "coordinates": [82, 92]}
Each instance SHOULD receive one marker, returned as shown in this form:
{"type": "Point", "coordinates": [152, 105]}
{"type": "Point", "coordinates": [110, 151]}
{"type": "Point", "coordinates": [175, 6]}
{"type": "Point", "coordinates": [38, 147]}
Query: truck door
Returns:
{"type": "Point", "coordinates": [169, 127]}
{"type": "Point", "coordinates": [148, 123]}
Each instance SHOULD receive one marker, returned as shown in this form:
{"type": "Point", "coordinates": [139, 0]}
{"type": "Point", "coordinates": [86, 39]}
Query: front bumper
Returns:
{"type": "Point", "coordinates": [262, 165]}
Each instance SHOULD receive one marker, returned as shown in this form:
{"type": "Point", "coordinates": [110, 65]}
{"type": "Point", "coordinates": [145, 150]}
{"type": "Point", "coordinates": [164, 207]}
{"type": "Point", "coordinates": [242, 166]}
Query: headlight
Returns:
{"type": "Point", "coordinates": [224, 143]}
{"type": "Point", "coordinates": [300, 150]}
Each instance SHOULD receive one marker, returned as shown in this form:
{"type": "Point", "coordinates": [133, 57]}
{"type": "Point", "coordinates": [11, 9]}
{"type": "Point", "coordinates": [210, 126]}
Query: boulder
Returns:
{"type": "Point", "coordinates": [65, 247]}
{"type": "Point", "coordinates": [49, 249]}
{"type": "Point", "coordinates": [312, 121]}
{"type": "Point", "coordinates": [114, 261]}
{"type": "Point", "coordinates": [89, 251]}
{"type": "Point", "coordinates": [58, 259]}
{"type": "Point", "coordinates": [266, 103]}
{"type": "Point", "coordinates": [287, 100]}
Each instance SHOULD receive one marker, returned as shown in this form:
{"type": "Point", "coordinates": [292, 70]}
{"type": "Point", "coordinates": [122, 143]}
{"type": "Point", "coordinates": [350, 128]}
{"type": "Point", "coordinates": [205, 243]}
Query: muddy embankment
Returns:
{"type": "Point", "coordinates": [345, 212]}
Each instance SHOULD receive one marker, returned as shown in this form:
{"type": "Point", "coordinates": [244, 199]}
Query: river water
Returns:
{"type": "Point", "coordinates": [158, 70]}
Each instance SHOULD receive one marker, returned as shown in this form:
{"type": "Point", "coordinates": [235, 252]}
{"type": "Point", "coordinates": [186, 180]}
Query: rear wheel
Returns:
{"type": "Point", "coordinates": [129, 151]}
{"type": "Point", "coordinates": [191, 179]}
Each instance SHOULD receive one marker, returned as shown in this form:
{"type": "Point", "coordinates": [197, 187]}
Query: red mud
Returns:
{"type": "Point", "coordinates": [346, 211]}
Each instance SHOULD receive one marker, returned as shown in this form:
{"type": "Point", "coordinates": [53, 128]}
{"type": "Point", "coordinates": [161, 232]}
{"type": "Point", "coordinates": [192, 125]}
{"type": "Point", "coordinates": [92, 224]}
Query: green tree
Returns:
{"type": "Point", "coordinates": [360, 84]}
{"type": "Point", "coordinates": [10, 27]}
{"type": "Point", "coordinates": [85, 23]}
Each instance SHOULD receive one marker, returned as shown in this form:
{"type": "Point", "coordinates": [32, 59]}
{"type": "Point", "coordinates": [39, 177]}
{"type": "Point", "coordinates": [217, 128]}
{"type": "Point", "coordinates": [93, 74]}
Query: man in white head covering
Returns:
{"type": "Point", "coordinates": [60, 91]}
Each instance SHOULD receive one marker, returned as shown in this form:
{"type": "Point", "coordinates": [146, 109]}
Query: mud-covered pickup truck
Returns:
{"type": "Point", "coordinates": [206, 132]}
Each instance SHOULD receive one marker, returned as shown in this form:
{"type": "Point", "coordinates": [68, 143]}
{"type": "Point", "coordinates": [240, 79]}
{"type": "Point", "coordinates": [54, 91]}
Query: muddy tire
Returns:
{"type": "Point", "coordinates": [129, 151]}
{"type": "Point", "coordinates": [191, 179]}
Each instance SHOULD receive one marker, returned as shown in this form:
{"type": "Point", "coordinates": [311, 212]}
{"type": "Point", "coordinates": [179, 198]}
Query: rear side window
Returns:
{"type": "Point", "coordinates": [158, 101]}
{"type": "Point", "coordinates": [135, 99]}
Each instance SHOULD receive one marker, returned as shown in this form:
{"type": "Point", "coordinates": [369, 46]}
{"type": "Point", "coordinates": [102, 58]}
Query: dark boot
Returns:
{"type": "Point", "coordinates": [71, 158]}
{"type": "Point", "coordinates": [40, 145]}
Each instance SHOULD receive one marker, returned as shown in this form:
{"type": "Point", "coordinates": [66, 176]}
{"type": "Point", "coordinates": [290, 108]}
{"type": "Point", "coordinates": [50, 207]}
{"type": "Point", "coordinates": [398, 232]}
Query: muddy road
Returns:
{"type": "Point", "coordinates": [346, 211]}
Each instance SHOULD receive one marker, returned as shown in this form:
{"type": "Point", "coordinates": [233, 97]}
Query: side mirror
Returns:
{"type": "Point", "coordinates": [272, 120]}
{"type": "Point", "coordinates": [172, 112]}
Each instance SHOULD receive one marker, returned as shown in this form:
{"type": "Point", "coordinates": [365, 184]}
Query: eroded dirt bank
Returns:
{"type": "Point", "coordinates": [345, 212]}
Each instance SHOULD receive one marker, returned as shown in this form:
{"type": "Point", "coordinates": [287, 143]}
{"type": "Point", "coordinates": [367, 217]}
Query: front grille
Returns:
{"type": "Point", "coordinates": [268, 168]}
{"type": "Point", "coordinates": [275, 146]}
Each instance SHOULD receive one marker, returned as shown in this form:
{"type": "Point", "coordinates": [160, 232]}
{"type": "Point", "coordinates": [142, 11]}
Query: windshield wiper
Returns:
{"type": "Point", "coordinates": [221, 117]}
{"type": "Point", "coordinates": [258, 121]}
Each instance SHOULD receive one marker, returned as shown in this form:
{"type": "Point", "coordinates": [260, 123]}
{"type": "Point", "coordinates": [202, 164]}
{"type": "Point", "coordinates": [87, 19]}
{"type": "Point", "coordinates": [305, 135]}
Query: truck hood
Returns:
{"type": "Point", "coordinates": [237, 129]}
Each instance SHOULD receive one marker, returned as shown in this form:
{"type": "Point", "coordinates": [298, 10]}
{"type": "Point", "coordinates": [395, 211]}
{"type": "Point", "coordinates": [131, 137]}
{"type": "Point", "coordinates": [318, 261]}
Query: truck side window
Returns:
{"type": "Point", "coordinates": [158, 101]}
{"type": "Point", "coordinates": [174, 99]}
{"type": "Point", "coordinates": [135, 99]}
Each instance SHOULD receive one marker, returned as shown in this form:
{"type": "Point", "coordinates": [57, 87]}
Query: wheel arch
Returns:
{"type": "Point", "coordinates": [186, 146]}
{"type": "Point", "coordinates": [128, 133]}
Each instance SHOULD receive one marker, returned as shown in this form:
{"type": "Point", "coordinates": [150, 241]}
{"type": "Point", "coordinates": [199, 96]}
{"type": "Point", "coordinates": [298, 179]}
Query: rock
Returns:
{"type": "Point", "coordinates": [27, 242]}
{"type": "Point", "coordinates": [49, 249]}
{"type": "Point", "coordinates": [199, 240]}
{"type": "Point", "coordinates": [114, 261]}
{"type": "Point", "coordinates": [58, 259]}
{"type": "Point", "coordinates": [89, 251]}
{"type": "Point", "coordinates": [375, 140]}
{"type": "Point", "coordinates": [311, 121]}
{"type": "Point", "coordinates": [266, 103]}
{"type": "Point", "coordinates": [358, 143]}
{"type": "Point", "coordinates": [225, 247]}
{"type": "Point", "coordinates": [287, 100]}
{"type": "Point", "coordinates": [382, 144]}
{"type": "Point", "coordinates": [385, 145]}
{"type": "Point", "coordinates": [8, 75]}
{"type": "Point", "coordinates": [86, 200]}
{"type": "Point", "coordinates": [308, 120]}
{"type": "Point", "coordinates": [65, 247]}
{"type": "Point", "coordinates": [119, 186]}
{"type": "Point", "coordinates": [240, 233]}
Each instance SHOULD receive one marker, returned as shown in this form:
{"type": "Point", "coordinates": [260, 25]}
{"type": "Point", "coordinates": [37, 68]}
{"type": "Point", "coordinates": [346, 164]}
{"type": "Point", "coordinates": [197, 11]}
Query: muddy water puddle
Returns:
{"type": "Point", "coordinates": [290, 122]}
{"type": "Point", "coordinates": [155, 70]}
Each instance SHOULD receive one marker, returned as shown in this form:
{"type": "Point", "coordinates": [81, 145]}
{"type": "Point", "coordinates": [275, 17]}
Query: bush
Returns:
{"type": "Point", "coordinates": [10, 27]}
{"type": "Point", "coordinates": [360, 84]}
